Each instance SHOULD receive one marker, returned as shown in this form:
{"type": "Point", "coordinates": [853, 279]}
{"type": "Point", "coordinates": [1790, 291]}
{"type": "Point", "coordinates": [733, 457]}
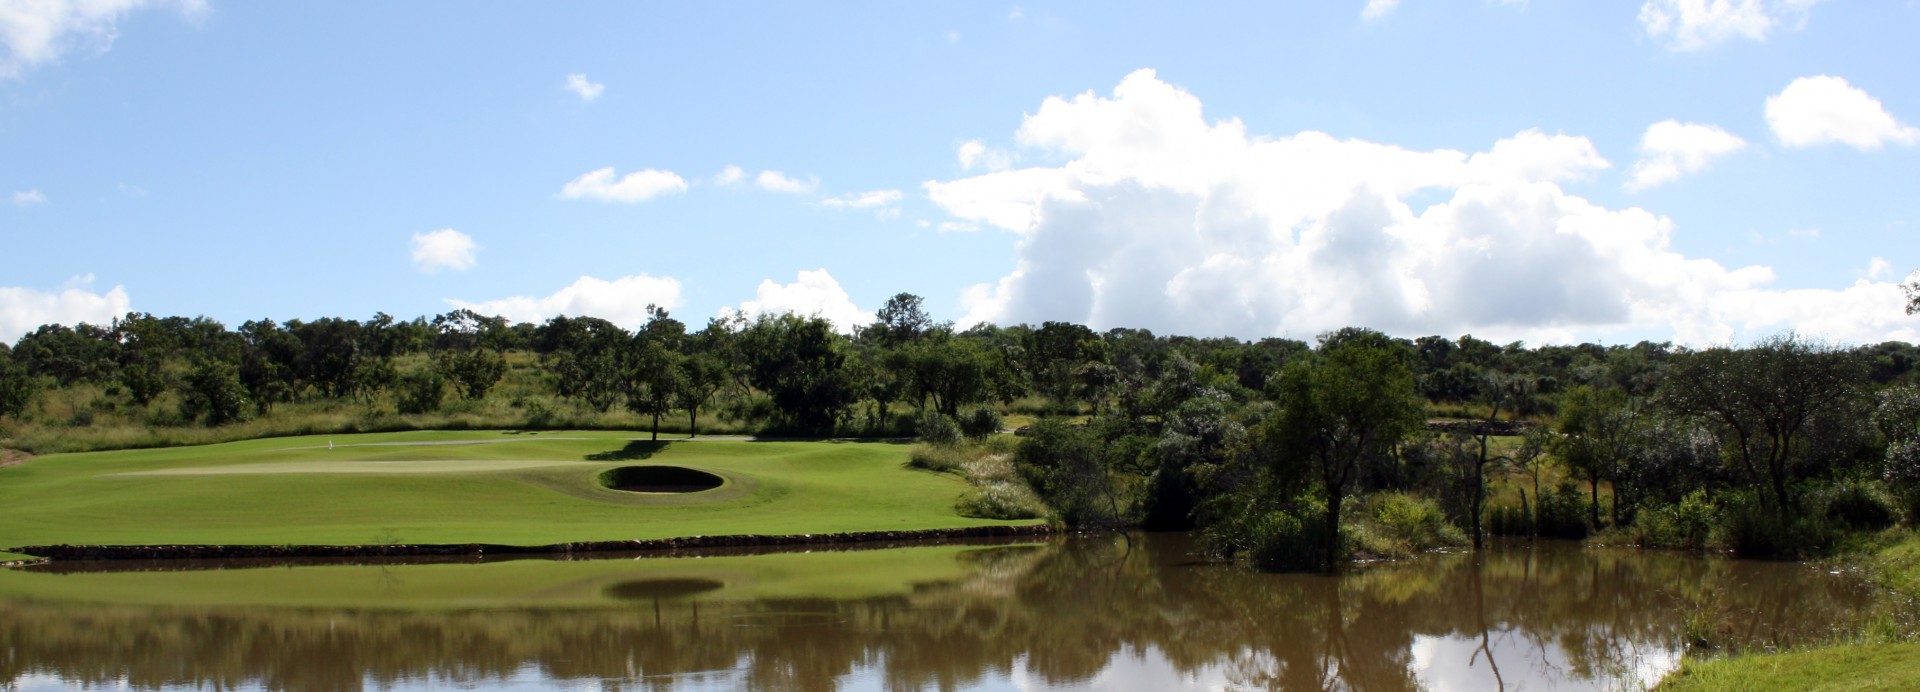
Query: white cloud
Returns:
{"type": "Point", "coordinates": [588, 91]}
{"type": "Point", "coordinates": [38, 32]}
{"type": "Point", "coordinates": [1821, 109]}
{"type": "Point", "coordinates": [28, 198]}
{"type": "Point", "coordinates": [23, 310]}
{"type": "Point", "coordinates": [622, 301]}
{"type": "Point", "coordinates": [638, 186]}
{"type": "Point", "coordinates": [1878, 267]}
{"type": "Point", "coordinates": [730, 175]}
{"type": "Point", "coordinates": [1376, 9]}
{"type": "Point", "coordinates": [1696, 24]}
{"type": "Point", "coordinates": [1159, 218]}
{"type": "Point", "coordinates": [813, 293]}
{"type": "Point", "coordinates": [975, 154]}
{"type": "Point", "coordinates": [870, 199]}
{"type": "Point", "coordinates": [443, 248]}
{"type": "Point", "coordinates": [779, 182]}
{"type": "Point", "coordinates": [1671, 148]}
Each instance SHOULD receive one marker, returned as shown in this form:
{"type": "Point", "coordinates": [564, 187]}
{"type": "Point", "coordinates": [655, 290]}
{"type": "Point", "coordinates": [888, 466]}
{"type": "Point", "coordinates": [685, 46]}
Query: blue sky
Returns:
{"type": "Point", "coordinates": [1550, 171]}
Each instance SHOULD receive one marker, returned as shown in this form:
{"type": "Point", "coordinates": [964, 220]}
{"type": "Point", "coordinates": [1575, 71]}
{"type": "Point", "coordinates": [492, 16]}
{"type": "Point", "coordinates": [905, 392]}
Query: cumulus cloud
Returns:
{"type": "Point", "coordinates": [585, 89]}
{"type": "Point", "coordinates": [1161, 219]}
{"type": "Point", "coordinates": [23, 310]}
{"type": "Point", "coordinates": [38, 33]}
{"type": "Point", "coordinates": [622, 301]}
{"type": "Point", "coordinates": [1822, 109]}
{"type": "Point", "coordinates": [814, 292]}
{"type": "Point", "coordinates": [28, 198]}
{"type": "Point", "coordinates": [1671, 148]}
{"type": "Point", "coordinates": [443, 248]}
{"type": "Point", "coordinates": [1695, 24]}
{"type": "Point", "coordinates": [1376, 9]}
{"type": "Point", "coordinates": [779, 182]}
{"type": "Point", "coordinates": [975, 154]}
{"type": "Point", "coordinates": [871, 199]}
{"type": "Point", "coordinates": [638, 186]}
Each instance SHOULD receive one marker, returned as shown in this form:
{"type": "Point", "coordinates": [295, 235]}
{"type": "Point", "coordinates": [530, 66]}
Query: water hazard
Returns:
{"type": "Point", "coordinates": [1106, 612]}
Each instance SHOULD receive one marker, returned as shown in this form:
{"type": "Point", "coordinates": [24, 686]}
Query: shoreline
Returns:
{"type": "Point", "coordinates": [65, 552]}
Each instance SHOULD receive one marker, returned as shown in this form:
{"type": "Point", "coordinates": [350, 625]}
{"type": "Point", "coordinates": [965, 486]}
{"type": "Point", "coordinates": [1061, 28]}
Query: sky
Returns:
{"type": "Point", "coordinates": [1547, 171]}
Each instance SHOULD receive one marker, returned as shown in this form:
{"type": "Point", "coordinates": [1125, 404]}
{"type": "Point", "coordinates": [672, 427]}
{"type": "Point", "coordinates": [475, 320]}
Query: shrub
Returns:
{"type": "Point", "coordinates": [1563, 512]}
{"type": "Point", "coordinates": [980, 423]}
{"type": "Point", "coordinates": [1001, 499]}
{"type": "Point", "coordinates": [935, 458]}
{"type": "Point", "coordinates": [1751, 530]}
{"type": "Point", "coordinates": [1858, 505]}
{"type": "Point", "coordinates": [1688, 524]}
{"type": "Point", "coordinates": [1401, 525]}
{"type": "Point", "coordinates": [420, 392]}
{"type": "Point", "coordinates": [936, 428]}
{"type": "Point", "coordinates": [1291, 540]}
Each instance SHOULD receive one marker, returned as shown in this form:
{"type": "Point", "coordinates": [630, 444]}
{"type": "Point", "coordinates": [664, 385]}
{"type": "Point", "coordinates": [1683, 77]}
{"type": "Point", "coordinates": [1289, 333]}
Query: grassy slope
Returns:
{"type": "Point", "coordinates": [791, 487]}
{"type": "Point", "coordinates": [1879, 666]}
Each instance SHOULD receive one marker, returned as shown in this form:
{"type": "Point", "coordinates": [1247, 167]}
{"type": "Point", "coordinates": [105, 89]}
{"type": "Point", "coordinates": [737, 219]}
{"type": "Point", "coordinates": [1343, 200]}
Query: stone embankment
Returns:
{"type": "Point", "coordinates": [229, 552]}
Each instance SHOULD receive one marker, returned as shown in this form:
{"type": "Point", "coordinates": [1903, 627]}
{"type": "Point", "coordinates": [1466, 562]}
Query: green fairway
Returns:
{"type": "Point", "coordinates": [460, 487]}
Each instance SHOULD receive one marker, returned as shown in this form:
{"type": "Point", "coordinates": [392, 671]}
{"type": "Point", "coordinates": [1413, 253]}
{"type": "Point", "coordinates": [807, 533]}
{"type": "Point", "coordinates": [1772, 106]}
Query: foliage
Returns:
{"type": "Point", "coordinates": [935, 428]}
{"type": "Point", "coordinates": [213, 394]}
{"type": "Point", "coordinates": [1068, 466]}
{"type": "Point", "coordinates": [980, 422]}
{"type": "Point", "coordinates": [1857, 505]}
{"type": "Point", "coordinates": [17, 388]}
{"type": "Point", "coordinates": [1688, 524]}
{"type": "Point", "coordinates": [420, 391]}
{"type": "Point", "coordinates": [1395, 525]}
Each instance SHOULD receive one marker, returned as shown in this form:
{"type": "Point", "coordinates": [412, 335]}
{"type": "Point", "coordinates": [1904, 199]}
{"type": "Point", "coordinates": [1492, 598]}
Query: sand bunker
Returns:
{"type": "Point", "coordinates": [659, 479]}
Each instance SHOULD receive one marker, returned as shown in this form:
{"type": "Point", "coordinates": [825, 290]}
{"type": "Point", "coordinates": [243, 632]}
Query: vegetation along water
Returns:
{"type": "Point", "coordinates": [1317, 460]}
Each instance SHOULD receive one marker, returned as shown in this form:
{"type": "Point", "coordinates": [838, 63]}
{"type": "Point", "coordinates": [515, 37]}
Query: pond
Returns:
{"type": "Point", "coordinates": [1105, 612]}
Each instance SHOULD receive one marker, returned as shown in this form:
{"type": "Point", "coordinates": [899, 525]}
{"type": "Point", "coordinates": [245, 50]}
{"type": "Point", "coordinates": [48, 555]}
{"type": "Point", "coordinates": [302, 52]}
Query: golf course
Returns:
{"type": "Point", "coordinates": [469, 487]}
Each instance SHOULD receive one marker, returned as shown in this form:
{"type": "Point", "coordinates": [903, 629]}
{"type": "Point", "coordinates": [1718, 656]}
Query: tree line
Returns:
{"type": "Point", "coordinates": [1264, 444]}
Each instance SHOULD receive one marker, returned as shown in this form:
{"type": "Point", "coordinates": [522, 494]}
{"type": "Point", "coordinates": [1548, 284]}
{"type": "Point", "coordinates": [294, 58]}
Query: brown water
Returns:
{"type": "Point", "coordinates": [1103, 613]}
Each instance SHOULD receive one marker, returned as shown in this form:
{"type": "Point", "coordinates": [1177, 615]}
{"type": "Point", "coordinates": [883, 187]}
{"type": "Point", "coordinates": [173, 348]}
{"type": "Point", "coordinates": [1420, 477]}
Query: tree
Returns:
{"type": "Point", "coordinates": [1912, 287]}
{"type": "Point", "coordinates": [1498, 391]}
{"type": "Point", "coordinates": [1352, 401]}
{"type": "Point", "coordinates": [213, 394]}
{"type": "Point", "coordinates": [948, 371]}
{"type": "Point", "coordinates": [799, 362]}
{"type": "Point", "coordinates": [653, 367]}
{"type": "Point", "coordinates": [1762, 399]}
{"type": "Point", "coordinates": [585, 355]}
{"type": "Point", "coordinates": [902, 319]}
{"type": "Point", "coordinates": [701, 377]}
{"type": "Point", "coordinates": [16, 386]}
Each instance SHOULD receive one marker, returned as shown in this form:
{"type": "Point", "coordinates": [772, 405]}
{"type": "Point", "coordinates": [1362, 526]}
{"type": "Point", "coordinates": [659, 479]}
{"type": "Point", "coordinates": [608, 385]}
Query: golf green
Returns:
{"type": "Point", "coordinates": [461, 487]}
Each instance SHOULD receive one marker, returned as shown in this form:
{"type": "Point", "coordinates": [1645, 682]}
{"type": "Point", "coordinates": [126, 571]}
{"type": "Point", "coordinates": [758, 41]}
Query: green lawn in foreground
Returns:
{"type": "Point", "coordinates": [519, 489]}
{"type": "Point", "coordinates": [1853, 667]}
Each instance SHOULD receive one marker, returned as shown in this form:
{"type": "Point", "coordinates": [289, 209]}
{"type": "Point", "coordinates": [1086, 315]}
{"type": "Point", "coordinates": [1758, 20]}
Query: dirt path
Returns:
{"type": "Point", "coordinates": [13, 457]}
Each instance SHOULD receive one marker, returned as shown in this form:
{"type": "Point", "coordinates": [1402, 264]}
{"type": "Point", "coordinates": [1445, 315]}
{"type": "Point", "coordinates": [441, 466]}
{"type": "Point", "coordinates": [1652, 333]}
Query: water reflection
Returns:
{"type": "Point", "coordinates": [1102, 612]}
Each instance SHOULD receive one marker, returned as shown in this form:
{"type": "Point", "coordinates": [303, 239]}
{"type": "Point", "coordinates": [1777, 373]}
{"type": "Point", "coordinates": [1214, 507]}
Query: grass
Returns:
{"type": "Point", "coordinates": [517, 584]}
{"type": "Point", "coordinates": [538, 489]}
{"type": "Point", "coordinates": [1862, 665]}
{"type": "Point", "coordinates": [1848, 667]}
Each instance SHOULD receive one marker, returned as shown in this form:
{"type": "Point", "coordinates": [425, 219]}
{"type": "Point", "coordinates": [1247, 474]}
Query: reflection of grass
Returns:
{"type": "Point", "coordinates": [507, 585]}
{"type": "Point", "coordinates": [10, 557]}
{"type": "Point", "coordinates": [782, 488]}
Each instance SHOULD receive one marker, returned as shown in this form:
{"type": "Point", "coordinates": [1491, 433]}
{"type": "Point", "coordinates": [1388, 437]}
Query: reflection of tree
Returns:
{"type": "Point", "coordinates": [1063, 612]}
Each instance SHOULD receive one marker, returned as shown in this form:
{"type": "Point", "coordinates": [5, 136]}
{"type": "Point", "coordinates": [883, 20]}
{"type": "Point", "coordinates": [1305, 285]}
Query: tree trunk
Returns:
{"type": "Point", "coordinates": [693, 421]}
{"type": "Point", "coordinates": [1533, 523]}
{"type": "Point", "coordinates": [1479, 491]}
{"type": "Point", "coordinates": [1333, 528]}
{"type": "Point", "coordinates": [656, 426]}
{"type": "Point", "coordinates": [1593, 509]}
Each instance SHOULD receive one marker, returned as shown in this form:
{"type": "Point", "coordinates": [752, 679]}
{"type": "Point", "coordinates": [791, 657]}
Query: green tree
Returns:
{"type": "Point", "coordinates": [1351, 402]}
{"type": "Point", "coordinates": [1763, 400]}
{"type": "Point", "coordinates": [902, 320]}
{"type": "Point", "coordinates": [585, 356]}
{"type": "Point", "coordinates": [16, 386]}
{"type": "Point", "coordinates": [653, 368]}
{"type": "Point", "coordinates": [213, 394]}
{"type": "Point", "coordinates": [800, 363]}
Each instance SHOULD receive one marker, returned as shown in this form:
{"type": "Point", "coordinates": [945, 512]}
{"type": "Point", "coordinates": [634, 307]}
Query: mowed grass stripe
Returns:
{"type": "Point", "coordinates": [784, 488]}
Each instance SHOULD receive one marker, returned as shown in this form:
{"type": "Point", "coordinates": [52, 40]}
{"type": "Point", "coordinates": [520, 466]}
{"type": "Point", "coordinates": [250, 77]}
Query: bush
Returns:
{"type": "Point", "coordinates": [980, 423]}
{"type": "Point", "coordinates": [1688, 524]}
{"type": "Point", "coordinates": [1280, 541]}
{"type": "Point", "coordinates": [1751, 530]}
{"type": "Point", "coordinates": [1562, 512]}
{"type": "Point", "coordinates": [1859, 506]}
{"type": "Point", "coordinates": [1001, 500]}
{"type": "Point", "coordinates": [1401, 525]}
{"type": "Point", "coordinates": [1508, 520]}
{"type": "Point", "coordinates": [935, 458]}
{"type": "Point", "coordinates": [420, 392]}
{"type": "Point", "coordinates": [936, 428]}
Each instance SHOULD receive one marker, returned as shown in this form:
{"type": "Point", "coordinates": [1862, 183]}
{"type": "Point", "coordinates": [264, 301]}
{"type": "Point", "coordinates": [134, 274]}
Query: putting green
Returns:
{"type": "Point", "coordinates": [459, 487]}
